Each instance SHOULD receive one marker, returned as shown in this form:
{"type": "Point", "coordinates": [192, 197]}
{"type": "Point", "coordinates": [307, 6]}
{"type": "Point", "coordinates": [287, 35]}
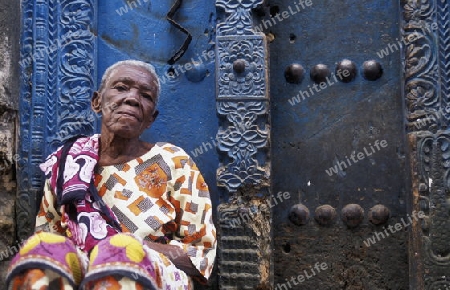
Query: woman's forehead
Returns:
{"type": "Point", "coordinates": [130, 71]}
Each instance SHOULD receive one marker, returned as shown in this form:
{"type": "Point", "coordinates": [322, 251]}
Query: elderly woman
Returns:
{"type": "Point", "coordinates": [118, 212]}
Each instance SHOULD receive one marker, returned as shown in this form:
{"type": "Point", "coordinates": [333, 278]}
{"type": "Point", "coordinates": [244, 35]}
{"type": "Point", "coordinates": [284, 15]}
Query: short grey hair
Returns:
{"type": "Point", "coordinates": [131, 62]}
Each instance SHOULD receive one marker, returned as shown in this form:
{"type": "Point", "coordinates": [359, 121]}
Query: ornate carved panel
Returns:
{"type": "Point", "coordinates": [243, 141]}
{"type": "Point", "coordinates": [427, 78]}
{"type": "Point", "coordinates": [57, 79]}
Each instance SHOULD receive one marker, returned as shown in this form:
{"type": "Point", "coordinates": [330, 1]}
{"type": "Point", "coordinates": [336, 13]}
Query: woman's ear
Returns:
{"type": "Point", "coordinates": [96, 102]}
{"type": "Point", "coordinates": [155, 114]}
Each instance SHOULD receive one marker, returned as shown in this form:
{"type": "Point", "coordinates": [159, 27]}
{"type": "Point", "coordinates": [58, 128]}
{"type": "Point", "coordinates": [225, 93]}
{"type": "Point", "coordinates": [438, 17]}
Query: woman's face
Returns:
{"type": "Point", "coordinates": [127, 102]}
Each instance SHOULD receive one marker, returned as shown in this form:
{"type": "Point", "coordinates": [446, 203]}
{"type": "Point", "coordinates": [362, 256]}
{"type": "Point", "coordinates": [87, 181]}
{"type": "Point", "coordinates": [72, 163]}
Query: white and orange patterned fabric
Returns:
{"type": "Point", "coordinates": [159, 197]}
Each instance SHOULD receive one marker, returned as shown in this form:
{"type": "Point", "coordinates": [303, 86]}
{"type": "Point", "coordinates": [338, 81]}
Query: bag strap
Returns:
{"type": "Point", "coordinates": [92, 189]}
{"type": "Point", "coordinates": [62, 165]}
{"type": "Point", "coordinates": [64, 150]}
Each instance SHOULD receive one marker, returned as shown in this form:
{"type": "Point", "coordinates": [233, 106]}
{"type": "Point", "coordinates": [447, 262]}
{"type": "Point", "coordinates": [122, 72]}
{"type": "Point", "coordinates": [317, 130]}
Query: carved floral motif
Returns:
{"type": "Point", "coordinates": [251, 82]}
{"type": "Point", "coordinates": [241, 140]}
{"type": "Point", "coordinates": [242, 98]}
{"type": "Point", "coordinates": [239, 19]}
{"type": "Point", "coordinates": [427, 76]}
{"type": "Point", "coordinates": [57, 58]}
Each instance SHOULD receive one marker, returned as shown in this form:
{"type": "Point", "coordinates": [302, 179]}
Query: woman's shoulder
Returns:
{"type": "Point", "coordinates": [169, 154]}
{"type": "Point", "coordinates": [168, 149]}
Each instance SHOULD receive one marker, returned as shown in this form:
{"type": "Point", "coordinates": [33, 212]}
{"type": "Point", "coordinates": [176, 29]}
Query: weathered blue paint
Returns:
{"type": "Point", "coordinates": [57, 61]}
{"type": "Point", "coordinates": [329, 125]}
{"type": "Point", "coordinates": [342, 117]}
{"type": "Point", "coordinates": [187, 107]}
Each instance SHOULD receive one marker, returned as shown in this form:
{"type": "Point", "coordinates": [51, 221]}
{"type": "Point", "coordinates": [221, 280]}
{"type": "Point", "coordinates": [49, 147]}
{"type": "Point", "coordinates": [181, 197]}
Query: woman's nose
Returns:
{"type": "Point", "coordinates": [132, 98]}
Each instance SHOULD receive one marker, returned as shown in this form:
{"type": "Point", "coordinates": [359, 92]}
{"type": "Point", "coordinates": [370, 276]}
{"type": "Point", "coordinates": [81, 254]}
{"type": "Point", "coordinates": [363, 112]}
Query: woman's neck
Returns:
{"type": "Point", "coordinates": [117, 150]}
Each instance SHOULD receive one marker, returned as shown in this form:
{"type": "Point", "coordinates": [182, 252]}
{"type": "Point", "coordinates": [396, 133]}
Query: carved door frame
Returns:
{"type": "Point", "coordinates": [427, 96]}
{"type": "Point", "coordinates": [58, 61]}
{"type": "Point", "coordinates": [57, 78]}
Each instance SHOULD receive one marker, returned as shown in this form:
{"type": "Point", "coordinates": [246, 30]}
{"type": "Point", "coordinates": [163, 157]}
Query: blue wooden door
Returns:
{"type": "Point", "coordinates": [140, 30]}
{"type": "Point", "coordinates": [336, 96]}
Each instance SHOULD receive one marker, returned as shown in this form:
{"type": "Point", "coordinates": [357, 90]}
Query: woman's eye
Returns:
{"type": "Point", "coordinates": [120, 88]}
{"type": "Point", "coordinates": [147, 96]}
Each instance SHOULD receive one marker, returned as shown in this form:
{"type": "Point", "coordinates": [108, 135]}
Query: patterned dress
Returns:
{"type": "Point", "coordinates": [159, 197]}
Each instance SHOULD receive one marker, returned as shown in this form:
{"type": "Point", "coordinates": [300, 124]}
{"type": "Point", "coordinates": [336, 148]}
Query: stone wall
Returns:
{"type": "Point", "coordinates": [9, 96]}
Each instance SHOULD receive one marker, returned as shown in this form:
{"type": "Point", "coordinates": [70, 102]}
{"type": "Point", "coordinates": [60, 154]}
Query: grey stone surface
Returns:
{"type": "Point", "coordinates": [9, 96]}
{"type": "Point", "coordinates": [3, 268]}
{"type": "Point", "coordinates": [9, 54]}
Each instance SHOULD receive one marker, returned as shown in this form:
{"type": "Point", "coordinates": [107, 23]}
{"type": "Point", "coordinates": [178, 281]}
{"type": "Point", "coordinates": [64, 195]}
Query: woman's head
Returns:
{"type": "Point", "coordinates": [131, 62]}
{"type": "Point", "coordinates": [127, 98]}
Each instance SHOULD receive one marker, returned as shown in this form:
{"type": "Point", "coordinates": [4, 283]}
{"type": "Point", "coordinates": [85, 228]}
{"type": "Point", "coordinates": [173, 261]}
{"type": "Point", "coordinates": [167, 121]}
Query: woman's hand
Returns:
{"type": "Point", "coordinates": [178, 257]}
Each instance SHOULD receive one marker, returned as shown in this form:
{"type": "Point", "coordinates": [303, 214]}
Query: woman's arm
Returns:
{"type": "Point", "coordinates": [195, 234]}
{"type": "Point", "coordinates": [178, 257]}
{"type": "Point", "coordinates": [48, 218]}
